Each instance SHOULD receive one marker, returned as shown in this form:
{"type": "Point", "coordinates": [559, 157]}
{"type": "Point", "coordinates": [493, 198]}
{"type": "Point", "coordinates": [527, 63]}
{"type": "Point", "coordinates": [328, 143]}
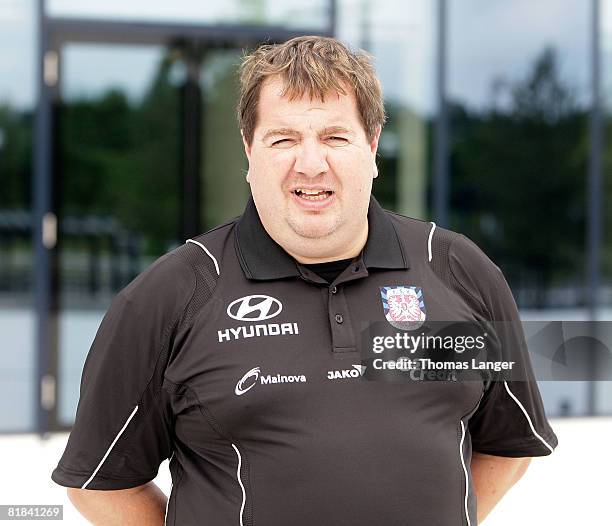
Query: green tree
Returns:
{"type": "Point", "coordinates": [15, 158]}
{"type": "Point", "coordinates": [119, 159]}
{"type": "Point", "coordinates": [519, 178]}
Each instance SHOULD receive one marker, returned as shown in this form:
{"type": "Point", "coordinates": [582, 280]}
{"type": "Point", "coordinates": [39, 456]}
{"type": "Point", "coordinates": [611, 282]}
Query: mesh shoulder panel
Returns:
{"type": "Point", "coordinates": [205, 274]}
{"type": "Point", "coordinates": [440, 264]}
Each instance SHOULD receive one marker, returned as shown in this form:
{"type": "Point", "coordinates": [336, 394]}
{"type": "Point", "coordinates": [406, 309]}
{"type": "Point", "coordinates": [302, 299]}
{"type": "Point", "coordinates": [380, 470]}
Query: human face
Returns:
{"type": "Point", "coordinates": [305, 147]}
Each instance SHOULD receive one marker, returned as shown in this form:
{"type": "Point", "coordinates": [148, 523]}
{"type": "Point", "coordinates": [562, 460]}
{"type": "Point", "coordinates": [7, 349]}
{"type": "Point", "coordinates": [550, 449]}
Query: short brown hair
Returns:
{"type": "Point", "coordinates": [313, 65]}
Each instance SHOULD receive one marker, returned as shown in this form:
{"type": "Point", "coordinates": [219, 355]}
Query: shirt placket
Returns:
{"type": "Point", "coordinates": [338, 312]}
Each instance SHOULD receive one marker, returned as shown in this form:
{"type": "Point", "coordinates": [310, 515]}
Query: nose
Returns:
{"type": "Point", "coordinates": [311, 158]}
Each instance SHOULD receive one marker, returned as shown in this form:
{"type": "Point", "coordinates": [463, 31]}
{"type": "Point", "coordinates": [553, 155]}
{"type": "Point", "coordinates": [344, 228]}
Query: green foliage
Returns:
{"type": "Point", "coordinates": [121, 160]}
{"type": "Point", "coordinates": [519, 178]}
{"type": "Point", "coordinates": [15, 158]}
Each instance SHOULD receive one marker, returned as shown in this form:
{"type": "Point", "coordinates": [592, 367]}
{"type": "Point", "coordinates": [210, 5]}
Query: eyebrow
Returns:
{"type": "Point", "coordinates": [289, 131]}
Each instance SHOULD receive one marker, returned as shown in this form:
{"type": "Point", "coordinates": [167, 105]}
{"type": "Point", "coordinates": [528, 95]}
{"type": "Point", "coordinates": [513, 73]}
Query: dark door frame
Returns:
{"type": "Point", "coordinates": [54, 33]}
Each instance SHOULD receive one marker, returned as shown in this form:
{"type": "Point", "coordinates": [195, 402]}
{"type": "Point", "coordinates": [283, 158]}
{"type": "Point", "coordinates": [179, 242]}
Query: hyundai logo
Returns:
{"type": "Point", "coordinates": [254, 308]}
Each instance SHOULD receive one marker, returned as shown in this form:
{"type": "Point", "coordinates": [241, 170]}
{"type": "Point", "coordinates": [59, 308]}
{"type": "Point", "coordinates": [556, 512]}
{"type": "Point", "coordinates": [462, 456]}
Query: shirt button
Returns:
{"type": "Point", "coordinates": [356, 268]}
{"type": "Point", "coordinates": [339, 318]}
{"type": "Point", "coordinates": [334, 289]}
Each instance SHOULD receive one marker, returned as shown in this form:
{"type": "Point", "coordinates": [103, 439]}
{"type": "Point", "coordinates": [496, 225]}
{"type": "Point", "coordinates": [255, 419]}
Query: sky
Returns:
{"type": "Point", "coordinates": [295, 13]}
{"type": "Point", "coordinates": [486, 39]}
{"type": "Point", "coordinates": [498, 37]}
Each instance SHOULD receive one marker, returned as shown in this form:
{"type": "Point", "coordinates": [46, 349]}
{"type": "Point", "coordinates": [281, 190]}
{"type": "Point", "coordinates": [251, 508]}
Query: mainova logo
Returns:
{"type": "Point", "coordinates": [255, 308]}
{"type": "Point", "coordinates": [254, 376]}
{"type": "Point", "coordinates": [356, 372]}
{"type": "Point", "coordinates": [247, 381]}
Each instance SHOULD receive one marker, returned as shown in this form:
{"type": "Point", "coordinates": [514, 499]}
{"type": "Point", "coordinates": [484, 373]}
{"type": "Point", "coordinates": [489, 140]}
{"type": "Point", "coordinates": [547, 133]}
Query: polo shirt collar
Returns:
{"type": "Point", "coordinates": [261, 258]}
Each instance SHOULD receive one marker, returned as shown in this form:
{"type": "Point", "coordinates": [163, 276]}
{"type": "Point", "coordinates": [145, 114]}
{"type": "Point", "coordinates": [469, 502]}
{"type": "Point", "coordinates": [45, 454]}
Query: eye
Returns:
{"type": "Point", "coordinates": [281, 141]}
{"type": "Point", "coordinates": [337, 139]}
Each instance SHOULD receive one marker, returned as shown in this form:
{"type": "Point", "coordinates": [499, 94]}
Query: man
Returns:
{"type": "Point", "coordinates": [239, 354]}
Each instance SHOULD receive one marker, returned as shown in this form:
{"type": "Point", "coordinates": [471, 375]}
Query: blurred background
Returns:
{"type": "Point", "coordinates": [118, 140]}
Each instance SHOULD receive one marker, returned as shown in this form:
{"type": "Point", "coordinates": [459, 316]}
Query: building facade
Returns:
{"type": "Point", "coordinates": [118, 140]}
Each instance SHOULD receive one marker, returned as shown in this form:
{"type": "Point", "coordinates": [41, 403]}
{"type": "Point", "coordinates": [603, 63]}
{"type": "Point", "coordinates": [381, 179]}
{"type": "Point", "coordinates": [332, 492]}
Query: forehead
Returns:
{"type": "Point", "coordinates": [273, 109]}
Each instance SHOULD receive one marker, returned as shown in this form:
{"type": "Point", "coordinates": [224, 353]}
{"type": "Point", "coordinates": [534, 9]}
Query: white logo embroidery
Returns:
{"type": "Point", "coordinates": [243, 309]}
{"type": "Point", "coordinates": [347, 373]}
{"type": "Point", "coordinates": [251, 378]}
{"type": "Point", "coordinates": [249, 331]}
{"type": "Point", "coordinates": [253, 373]}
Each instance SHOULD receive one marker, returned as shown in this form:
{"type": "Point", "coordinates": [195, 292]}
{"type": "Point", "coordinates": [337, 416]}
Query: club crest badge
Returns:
{"type": "Point", "coordinates": [404, 306]}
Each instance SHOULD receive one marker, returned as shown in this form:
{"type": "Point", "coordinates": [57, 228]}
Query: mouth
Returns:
{"type": "Point", "coordinates": [312, 195]}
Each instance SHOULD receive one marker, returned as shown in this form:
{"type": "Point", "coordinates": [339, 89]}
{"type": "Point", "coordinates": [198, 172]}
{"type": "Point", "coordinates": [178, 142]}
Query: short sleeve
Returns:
{"type": "Point", "coordinates": [123, 425]}
{"type": "Point", "coordinates": [510, 420]}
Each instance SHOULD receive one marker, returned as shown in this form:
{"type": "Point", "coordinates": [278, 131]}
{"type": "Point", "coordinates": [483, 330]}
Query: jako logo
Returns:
{"type": "Point", "coordinates": [347, 373]}
{"type": "Point", "coordinates": [249, 380]}
{"type": "Point", "coordinates": [254, 308]}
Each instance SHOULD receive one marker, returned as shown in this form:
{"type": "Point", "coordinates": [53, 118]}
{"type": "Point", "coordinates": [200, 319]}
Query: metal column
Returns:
{"type": "Point", "coordinates": [595, 187]}
{"type": "Point", "coordinates": [441, 173]}
{"type": "Point", "coordinates": [44, 230]}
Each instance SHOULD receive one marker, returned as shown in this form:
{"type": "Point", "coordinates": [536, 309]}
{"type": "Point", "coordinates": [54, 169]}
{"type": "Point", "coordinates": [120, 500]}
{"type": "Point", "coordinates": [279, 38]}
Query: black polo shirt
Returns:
{"type": "Point", "coordinates": [244, 368]}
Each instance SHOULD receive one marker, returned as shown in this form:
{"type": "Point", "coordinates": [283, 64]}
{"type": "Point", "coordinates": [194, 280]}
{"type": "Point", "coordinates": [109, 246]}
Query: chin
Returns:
{"type": "Point", "coordinates": [314, 229]}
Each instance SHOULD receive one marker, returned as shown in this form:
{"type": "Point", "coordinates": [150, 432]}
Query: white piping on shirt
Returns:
{"type": "Point", "coordinates": [110, 448]}
{"type": "Point", "coordinates": [527, 417]}
{"type": "Point", "coordinates": [465, 473]}
{"type": "Point", "coordinates": [207, 251]}
{"type": "Point", "coordinates": [240, 482]}
{"type": "Point", "coordinates": [429, 240]}
{"type": "Point", "coordinates": [171, 486]}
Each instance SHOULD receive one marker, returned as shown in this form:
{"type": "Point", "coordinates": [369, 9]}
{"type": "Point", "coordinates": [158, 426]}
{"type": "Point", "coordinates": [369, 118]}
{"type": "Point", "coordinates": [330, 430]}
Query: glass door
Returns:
{"type": "Point", "coordinates": [224, 190]}
{"type": "Point", "coordinates": [119, 144]}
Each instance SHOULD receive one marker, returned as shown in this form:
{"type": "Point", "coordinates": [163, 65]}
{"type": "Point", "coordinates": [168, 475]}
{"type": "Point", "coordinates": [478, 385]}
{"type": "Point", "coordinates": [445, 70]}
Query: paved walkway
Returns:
{"type": "Point", "coordinates": [570, 487]}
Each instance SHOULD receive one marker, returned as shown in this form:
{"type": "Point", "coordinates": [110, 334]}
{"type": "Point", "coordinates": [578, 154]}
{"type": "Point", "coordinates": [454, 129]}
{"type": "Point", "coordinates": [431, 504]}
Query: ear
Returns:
{"type": "Point", "coordinates": [247, 148]}
{"type": "Point", "coordinates": [247, 151]}
{"type": "Point", "coordinates": [374, 143]}
{"type": "Point", "coordinates": [374, 149]}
